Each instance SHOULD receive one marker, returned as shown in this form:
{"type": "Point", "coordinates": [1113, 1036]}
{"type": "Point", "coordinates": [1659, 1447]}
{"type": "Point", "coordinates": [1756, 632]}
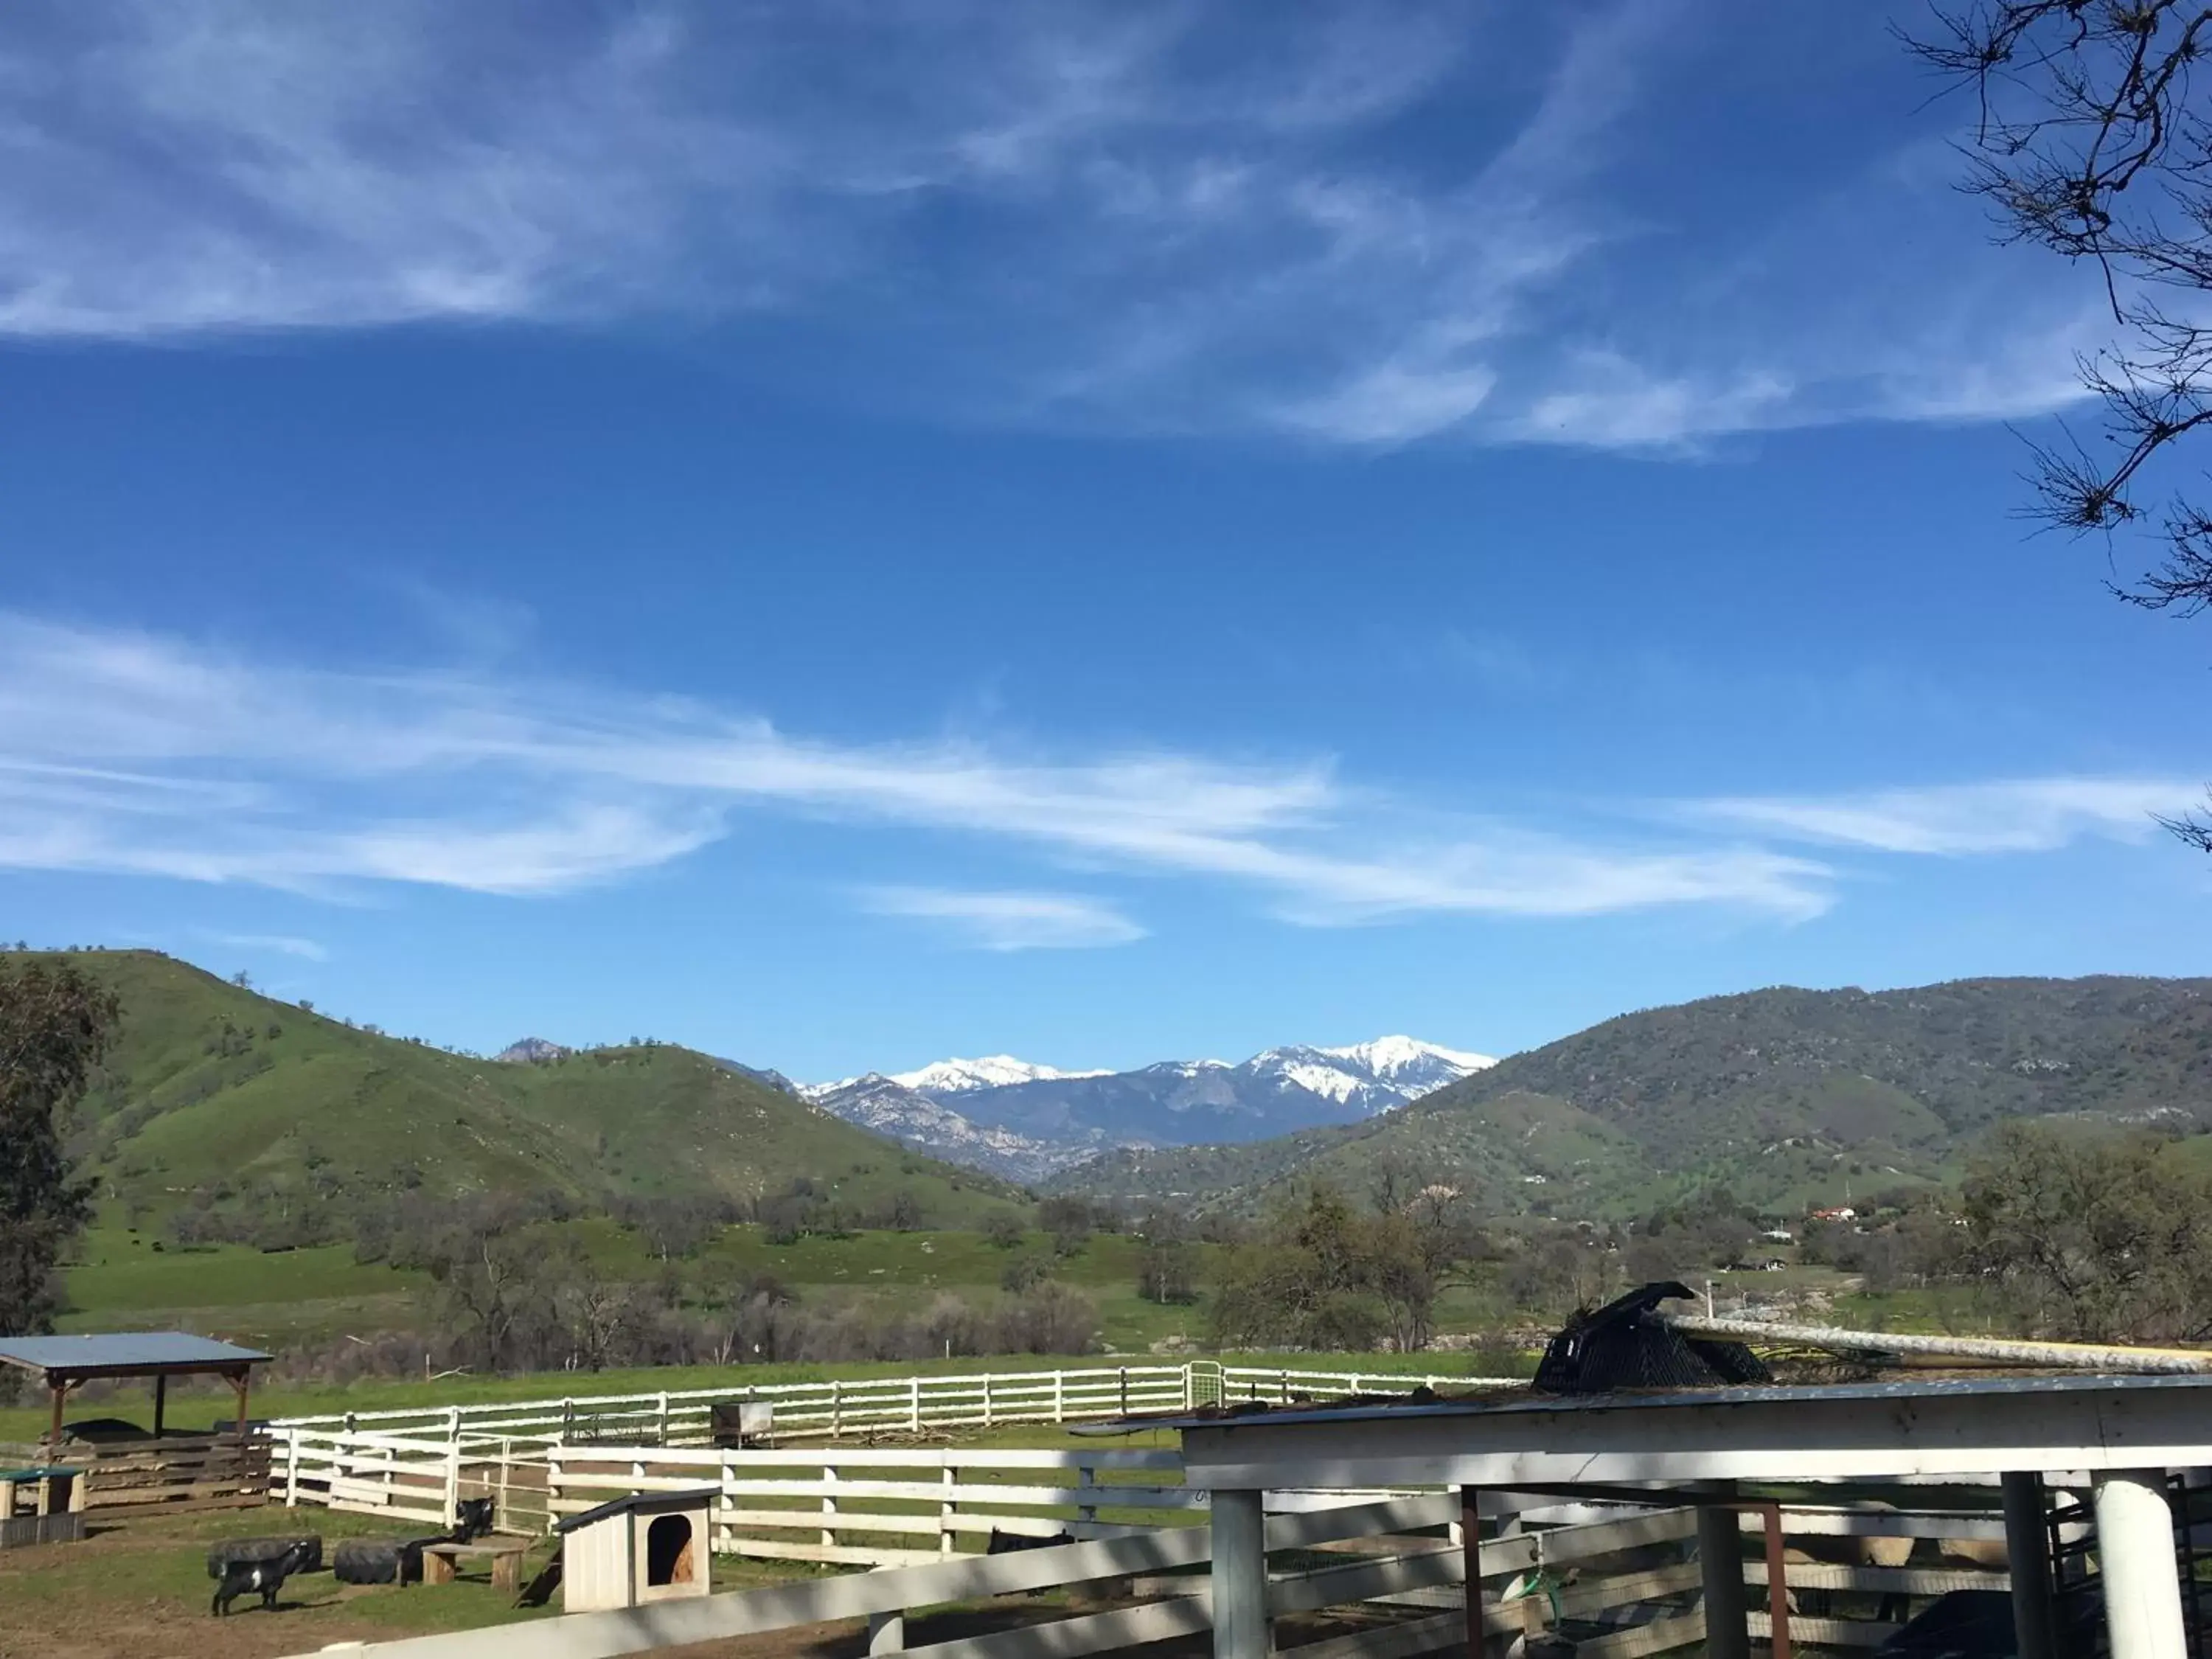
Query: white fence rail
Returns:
{"type": "Point", "coordinates": [880, 1405]}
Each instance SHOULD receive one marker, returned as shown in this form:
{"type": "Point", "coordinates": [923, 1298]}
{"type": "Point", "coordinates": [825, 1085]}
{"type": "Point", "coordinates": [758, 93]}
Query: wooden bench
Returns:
{"type": "Point", "coordinates": [441, 1562]}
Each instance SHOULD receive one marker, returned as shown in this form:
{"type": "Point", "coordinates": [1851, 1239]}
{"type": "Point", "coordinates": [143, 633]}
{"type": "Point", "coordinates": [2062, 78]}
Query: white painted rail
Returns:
{"type": "Point", "coordinates": [838, 1409]}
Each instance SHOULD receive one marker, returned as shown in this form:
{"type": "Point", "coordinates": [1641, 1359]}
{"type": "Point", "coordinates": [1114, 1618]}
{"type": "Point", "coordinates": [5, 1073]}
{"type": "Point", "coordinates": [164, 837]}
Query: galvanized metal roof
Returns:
{"type": "Point", "coordinates": [129, 1351]}
{"type": "Point", "coordinates": [1239, 1416]}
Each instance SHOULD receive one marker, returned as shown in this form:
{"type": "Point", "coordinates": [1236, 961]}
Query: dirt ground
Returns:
{"type": "Point", "coordinates": [140, 1590]}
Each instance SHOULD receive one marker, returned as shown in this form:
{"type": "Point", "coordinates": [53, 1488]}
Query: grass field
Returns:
{"type": "Point", "coordinates": [123, 1282]}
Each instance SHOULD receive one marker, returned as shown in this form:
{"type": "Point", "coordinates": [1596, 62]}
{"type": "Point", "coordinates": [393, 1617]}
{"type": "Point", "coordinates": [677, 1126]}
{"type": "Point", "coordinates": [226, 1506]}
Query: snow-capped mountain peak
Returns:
{"type": "Point", "coordinates": [1389, 1056]}
{"type": "Point", "coordinates": [1371, 1077]}
{"type": "Point", "coordinates": [953, 1077]}
{"type": "Point", "coordinates": [1020, 1120]}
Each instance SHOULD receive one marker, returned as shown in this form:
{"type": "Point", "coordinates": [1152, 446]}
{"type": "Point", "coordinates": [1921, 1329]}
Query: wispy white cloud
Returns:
{"type": "Point", "coordinates": [1161, 216]}
{"type": "Point", "coordinates": [2025, 815]}
{"type": "Point", "coordinates": [286, 944]}
{"type": "Point", "coordinates": [1010, 920]}
{"type": "Point", "coordinates": [140, 754]}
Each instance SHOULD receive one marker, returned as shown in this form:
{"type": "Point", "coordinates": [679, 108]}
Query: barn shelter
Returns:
{"type": "Point", "coordinates": [2116, 1443]}
{"type": "Point", "coordinates": [66, 1363]}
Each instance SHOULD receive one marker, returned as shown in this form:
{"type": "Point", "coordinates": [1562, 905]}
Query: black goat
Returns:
{"type": "Point", "coordinates": [472, 1519]}
{"type": "Point", "coordinates": [262, 1578]}
{"type": "Point", "coordinates": [1005, 1543]}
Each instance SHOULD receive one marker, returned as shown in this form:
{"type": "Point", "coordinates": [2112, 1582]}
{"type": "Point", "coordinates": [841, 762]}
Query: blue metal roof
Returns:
{"type": "Point", "coordinates": [125, 1350]}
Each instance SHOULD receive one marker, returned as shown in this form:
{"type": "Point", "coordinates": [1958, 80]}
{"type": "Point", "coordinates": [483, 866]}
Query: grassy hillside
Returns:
{"type": "Point", "coordinates": [1792, 1097]}
{"type": "Point", "coordinates": [212, 1088]}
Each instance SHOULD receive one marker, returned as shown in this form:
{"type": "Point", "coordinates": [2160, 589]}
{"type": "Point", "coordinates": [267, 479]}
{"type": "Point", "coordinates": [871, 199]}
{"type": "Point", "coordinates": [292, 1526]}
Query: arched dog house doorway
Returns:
{"type": "Point", "coordinates": [668, 1551]}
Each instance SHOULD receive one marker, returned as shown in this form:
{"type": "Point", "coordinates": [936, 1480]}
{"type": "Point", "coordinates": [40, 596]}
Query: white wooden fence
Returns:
{"type": "Point", "coordinates": [1622, 1585]}
{"type": "Point", "coordinates": [857, 1505]}
{"type": "Point", "coordinates": [896, 1507]}
{"type": "Point", "coordinates": [878, 1406]}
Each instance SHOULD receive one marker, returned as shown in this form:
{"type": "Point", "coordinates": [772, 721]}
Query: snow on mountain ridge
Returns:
{"type": "Point", "coordinates": [953, 1077]}
{"type": "Point", "coordinates": [1387, 1056]}
{"type": "Point", "coordinates": [890, 1108]}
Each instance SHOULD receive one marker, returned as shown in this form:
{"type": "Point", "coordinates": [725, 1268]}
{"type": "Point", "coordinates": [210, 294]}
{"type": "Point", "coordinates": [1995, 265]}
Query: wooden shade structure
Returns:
{"type": "Point", "coordinates": [66, 1363]}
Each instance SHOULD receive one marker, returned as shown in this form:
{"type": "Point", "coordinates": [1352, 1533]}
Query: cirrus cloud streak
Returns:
{"type": "Point", "coordinates": [140, 754]}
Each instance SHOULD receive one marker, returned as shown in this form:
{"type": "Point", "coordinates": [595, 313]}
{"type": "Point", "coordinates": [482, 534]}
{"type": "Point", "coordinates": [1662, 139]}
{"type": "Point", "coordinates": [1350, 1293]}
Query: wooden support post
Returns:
{"type": "Point", "coordinates": [1720, 1557]}
{"type": "Point", "coordinates": [61, 1398]}
{"type": "Point", "coordinates": [2028, 1545]}
{"type": "Point", "coordinates": [1240, 1576]}
{"type": "Point", "coordinates": [2134, 1558]}
{"type": "Point", "coordinates": [243, 1383]}
{"type": "Point", "coordinates": [1470, 1544]}
{"type": "Point", "coordinates": [160, 1403]}
{"type": "Point", "coordinates": [1777, 1583]}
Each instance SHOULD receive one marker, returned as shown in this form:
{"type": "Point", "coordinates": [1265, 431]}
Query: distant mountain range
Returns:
{"type": "Point", "coordinates": [1026, 1121]}
{"type": "Point", "coordinates": [1789, 1097]}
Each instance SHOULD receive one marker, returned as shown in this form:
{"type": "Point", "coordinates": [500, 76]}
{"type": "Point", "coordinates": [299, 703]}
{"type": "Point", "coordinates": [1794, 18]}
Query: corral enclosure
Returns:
{"type": "Point", "coordinates": [1610, 1571]}
{"type": "Point", "coordinates": [884, 1474]}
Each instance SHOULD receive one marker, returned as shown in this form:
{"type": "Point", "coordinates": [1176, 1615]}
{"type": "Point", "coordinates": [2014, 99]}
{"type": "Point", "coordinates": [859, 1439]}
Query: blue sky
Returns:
{"type": "Point", "coordinates": [841, 535]}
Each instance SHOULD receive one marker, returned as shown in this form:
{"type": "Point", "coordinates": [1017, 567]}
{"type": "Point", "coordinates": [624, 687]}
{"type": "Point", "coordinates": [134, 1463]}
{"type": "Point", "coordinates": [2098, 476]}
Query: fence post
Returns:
{"type": "Point", "coordinates": [729, 1525]}
{"type": "Point", "coordinates": [947, 1507]}
{"type": "Point", "coordinates": [663, 1419]}
{"type": "Point", "coordinates": [914, 1404]}
{"type": "Point", "coordinates": [829, 1505]}
{"type": "Point", "coordinates": [568, 1420]}
{"type": "Point", "coordinates": [1240, 1576]}
{"type": "Point", "coordinates": [1060, 1396]}
{"type": "Point", "coordinates": [1125, 1390]}
{"type": "Point", "coordinates": [1190, 1388]}
{"type": "Point", "coordinates": [986, 1400]}
{"type": "Point", "coordinates": [292, 1473]}
{"type": "Point", "coordinates": [1086, 1481]}
{"type": "Point", "coordinates": [552, 1485]}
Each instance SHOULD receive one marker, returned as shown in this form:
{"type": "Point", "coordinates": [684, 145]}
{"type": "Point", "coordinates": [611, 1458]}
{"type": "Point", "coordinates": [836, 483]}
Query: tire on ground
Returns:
{"type": "Point", "coordinates": [224, 1551]}
{"type": "Point", "coordinates": [377, 1561]}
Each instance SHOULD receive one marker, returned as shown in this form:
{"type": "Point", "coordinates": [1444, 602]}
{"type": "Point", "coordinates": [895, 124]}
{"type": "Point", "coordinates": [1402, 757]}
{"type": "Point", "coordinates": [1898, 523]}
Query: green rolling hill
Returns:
{"type": "Point", "coordinates": [1791, 1097]}
{"type": "Point", "coordinates": [210, 1088]}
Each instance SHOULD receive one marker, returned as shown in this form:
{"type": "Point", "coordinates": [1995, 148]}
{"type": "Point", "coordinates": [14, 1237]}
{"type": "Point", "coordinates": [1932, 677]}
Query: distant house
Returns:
{"type": "Point", "coordinates": [1779, 1234]}
{"type": "Point", "coordinates": [1843, 1212]}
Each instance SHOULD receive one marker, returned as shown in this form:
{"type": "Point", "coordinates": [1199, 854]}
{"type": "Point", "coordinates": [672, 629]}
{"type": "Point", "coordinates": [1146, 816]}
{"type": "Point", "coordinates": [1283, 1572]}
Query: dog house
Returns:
{"type": "Point", "coordinates": [634, 1551]}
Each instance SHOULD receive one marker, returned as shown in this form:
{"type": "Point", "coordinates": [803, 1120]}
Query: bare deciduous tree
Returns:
{"type": "Point", "coordinates": [2092, 139]}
